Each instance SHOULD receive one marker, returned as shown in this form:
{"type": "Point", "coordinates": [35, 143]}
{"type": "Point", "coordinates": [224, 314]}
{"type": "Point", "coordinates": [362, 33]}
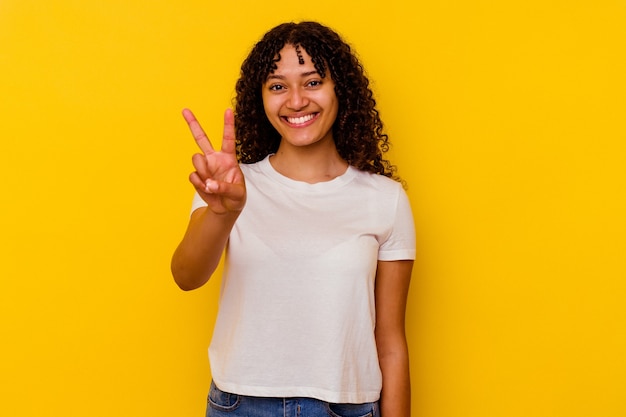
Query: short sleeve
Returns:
{"type": "Point", "coordinates": [197, 202]}
{"type": "Point", "coordinates": [400, 244]}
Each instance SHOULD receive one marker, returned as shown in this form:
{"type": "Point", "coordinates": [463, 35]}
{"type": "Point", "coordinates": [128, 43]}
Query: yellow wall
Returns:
{"type": "Point", "coordinates": [508, 119]}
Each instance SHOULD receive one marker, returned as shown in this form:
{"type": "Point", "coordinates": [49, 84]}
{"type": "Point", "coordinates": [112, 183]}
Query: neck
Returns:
{"type": "Point", "coordinates": [308, 164]}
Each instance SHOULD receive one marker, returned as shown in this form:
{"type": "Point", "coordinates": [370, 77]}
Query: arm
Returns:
{"type": "Point", "coordinates": [392, 286]}
{"type": "Point", "coordinates": [200, 250]}
{"type": "Point", "coordinates": [220, 182]}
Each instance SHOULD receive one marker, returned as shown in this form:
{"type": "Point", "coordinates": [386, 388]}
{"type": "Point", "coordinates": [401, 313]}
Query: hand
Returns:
{"type": "Point", "coordinates": [218, 178]}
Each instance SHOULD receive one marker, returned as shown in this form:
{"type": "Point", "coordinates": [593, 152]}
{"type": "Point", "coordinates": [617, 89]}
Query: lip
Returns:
{"type": "Point", "coordinates": [314, 116]}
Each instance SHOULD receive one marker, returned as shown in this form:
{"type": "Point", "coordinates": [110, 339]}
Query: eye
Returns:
{"type": "Point", "coordinates": [314, 83]}
{"type": "Point", "coordinates": [275, 87]}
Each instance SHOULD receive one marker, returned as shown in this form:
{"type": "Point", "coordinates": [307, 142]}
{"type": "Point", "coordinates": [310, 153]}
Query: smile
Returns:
{"type": "Point", "coordinates": [300, 120]}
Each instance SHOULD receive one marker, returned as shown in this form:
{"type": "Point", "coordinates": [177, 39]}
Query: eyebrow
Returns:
{"type": "Point", "coordinates": [282, 77]}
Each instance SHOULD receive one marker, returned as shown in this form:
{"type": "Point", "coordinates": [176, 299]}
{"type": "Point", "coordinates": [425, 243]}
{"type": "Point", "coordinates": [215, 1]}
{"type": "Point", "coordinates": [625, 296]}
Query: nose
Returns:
{"type": "Point", "coordinates": [297, 99]}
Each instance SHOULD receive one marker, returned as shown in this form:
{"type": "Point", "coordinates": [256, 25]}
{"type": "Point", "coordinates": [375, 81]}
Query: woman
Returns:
{"type": "Point", "coordinates": [318, 236]}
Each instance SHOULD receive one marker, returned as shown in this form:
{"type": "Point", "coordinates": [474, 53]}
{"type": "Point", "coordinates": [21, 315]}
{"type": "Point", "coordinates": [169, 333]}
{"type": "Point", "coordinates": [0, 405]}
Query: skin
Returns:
{"type": "Point", "coordinates": [220, 182]}
{"type": "Point", "coordinates": [302, 107]}
{"type": "Point", "coordinates": [391, 291]}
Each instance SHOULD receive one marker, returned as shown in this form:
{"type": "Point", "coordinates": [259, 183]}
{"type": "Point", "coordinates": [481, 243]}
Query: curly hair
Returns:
{"type": "Point", "coordinates": [357, 130]}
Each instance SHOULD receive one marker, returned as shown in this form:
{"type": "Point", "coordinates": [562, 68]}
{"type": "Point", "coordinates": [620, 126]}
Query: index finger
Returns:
{"type": "Point", "coordinates": [198, 133]}
{"type": "Point", "coordinates": [228, 141]}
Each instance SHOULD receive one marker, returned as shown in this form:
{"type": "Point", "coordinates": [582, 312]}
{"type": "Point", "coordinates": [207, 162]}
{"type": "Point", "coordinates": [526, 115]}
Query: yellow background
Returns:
{"type": "Point", "coordinates": [508, 123]}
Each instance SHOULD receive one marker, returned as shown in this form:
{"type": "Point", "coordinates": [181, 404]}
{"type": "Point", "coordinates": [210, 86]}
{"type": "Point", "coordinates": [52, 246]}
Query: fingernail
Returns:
{"type": "Point", "coordinates": [210, 186]}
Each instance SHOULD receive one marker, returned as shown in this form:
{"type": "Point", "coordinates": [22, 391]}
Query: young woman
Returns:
{"type": "Point", "coordinates": [318, 235]}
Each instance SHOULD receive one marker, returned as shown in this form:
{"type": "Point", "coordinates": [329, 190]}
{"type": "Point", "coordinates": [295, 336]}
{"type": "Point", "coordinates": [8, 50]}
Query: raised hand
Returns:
{"type": "Point", "coordinates": [218, 178]}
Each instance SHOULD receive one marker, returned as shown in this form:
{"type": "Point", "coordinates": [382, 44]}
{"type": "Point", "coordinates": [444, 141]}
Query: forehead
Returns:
{"type": "Point", "coordinates": [294, 60]}
{"type": "Point", "coordinates": [291, 61]}
{"type": "Point", "coordinates": [291, 54]}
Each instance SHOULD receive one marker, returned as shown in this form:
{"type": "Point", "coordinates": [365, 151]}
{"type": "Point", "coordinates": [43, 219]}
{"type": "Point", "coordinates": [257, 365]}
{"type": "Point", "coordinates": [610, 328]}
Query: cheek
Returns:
{"type": "Point", "coordinates": [271, 113]}
{"type": "Point", "coordinates": [332, 102]}
{"type": "Point", "coordinates": [267, 107]}
{"type": "Point", "coordinates": [270, 104]}
{"type": "Point", "coordinates": [265, 101]}
{"type": "Point", "coordinates": [334, 106]}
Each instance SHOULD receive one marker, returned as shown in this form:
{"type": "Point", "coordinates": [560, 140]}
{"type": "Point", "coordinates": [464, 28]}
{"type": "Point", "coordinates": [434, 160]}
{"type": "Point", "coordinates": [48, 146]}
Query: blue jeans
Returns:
{"type": "Point", "coordinates": [224, 404]}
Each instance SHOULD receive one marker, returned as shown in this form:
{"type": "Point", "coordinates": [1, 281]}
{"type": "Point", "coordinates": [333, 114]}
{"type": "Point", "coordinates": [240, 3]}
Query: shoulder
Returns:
{"type": "Point", "coordinates": [250, 168]}
{"type": "Point", "coordinates": [254, 172]}
{"type": "Point", "coordinates": [382, 194]}
{"type": "Point", "coordinates": [378, 183]}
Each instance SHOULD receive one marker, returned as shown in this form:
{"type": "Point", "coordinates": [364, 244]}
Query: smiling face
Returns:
{"type": "Point", "coordinates": [299, 103]}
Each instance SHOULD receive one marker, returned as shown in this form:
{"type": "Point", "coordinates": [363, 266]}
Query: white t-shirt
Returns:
{"type": "Point", "coordinates": [296, 315]}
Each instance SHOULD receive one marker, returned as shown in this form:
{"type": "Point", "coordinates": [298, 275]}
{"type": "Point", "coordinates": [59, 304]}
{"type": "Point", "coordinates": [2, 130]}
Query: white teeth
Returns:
{"type": "Point", "coordinates": [300, 120]}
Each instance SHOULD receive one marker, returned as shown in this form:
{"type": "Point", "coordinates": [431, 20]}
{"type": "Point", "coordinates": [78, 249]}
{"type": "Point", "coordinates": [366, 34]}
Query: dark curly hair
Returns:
{"type": "Point", "coordinates": [357, 130]}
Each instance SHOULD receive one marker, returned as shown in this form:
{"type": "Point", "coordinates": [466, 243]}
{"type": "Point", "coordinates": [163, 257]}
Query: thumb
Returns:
{"type": "Point", "coordinates": [236, 192]}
